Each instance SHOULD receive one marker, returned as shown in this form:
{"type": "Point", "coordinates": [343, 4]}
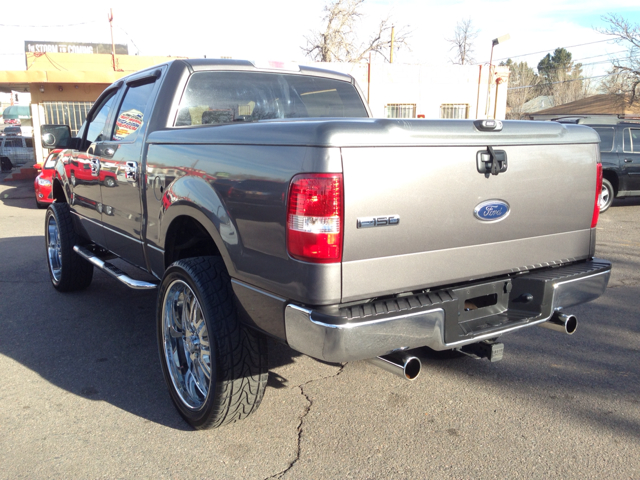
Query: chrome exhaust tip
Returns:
{"type": "Point", "coordinates": [562, 322]}
{"type": "Point", "coordinates": [401, 364]}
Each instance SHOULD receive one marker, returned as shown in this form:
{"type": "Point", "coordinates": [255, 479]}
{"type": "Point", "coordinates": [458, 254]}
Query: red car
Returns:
{"type": "Point", "coordinates": [42, 183]}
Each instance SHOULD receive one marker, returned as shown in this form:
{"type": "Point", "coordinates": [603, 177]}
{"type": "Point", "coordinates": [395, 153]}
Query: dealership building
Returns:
{"type": "Point", "coordinates": [64, 79]}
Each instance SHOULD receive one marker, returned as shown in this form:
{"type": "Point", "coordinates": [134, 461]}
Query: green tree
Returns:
{"type": "Point", "coordinates": [561, 78]}
{"type": "Point", "coordinates": [551, 64]}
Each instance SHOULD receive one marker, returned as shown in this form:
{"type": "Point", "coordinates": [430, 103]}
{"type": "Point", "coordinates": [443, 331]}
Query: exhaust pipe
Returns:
{"type": "Point", "coordinates": [561, 322]}
{"type": "Point", "coordinates": [401, 364]}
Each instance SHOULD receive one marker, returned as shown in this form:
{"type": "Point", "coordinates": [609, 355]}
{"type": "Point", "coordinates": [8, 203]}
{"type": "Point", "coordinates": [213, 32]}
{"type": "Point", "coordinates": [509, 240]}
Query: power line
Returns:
{"type": "Point", "coordinates": [611, 60]}
{"type": "Point", "coordinates": [601, 55]}
{"type": "Point", "coordinates": [49, 26]}
{"type": "Point", "coordinates": [564, 81]}
{"type": "Point", "coordinates": [129, 37]}
{"type": "Point", "coordinates": [551, 50]}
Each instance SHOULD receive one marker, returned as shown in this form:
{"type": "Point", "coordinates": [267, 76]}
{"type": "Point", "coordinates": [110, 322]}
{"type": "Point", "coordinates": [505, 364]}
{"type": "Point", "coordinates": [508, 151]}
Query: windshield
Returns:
{"type": "Point", "coordinates": [225, 97]}
{"type": "Point", "coordinates": [51, 161]}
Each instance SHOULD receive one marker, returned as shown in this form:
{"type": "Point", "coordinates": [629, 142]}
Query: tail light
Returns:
{"type": "Point", "coordinates": [596, 207]}
{"type": "Point", "coordinates": [314, 220]}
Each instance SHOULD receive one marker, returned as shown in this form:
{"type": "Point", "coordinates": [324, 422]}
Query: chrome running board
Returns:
{"type": "Point", "coordinates": [112, 270]}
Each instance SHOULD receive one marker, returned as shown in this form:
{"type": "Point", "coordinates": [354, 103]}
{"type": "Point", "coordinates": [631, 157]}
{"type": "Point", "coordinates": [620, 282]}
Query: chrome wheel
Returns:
{"type": "Point", "coordinates": [54, 250]}
{"type": "Point", "coordinates": [606, 196]}
{"type": "Point", "coordinates": [186, 345]}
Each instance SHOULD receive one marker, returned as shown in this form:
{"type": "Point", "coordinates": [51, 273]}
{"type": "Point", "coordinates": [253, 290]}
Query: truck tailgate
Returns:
{"type": "Point", "coordinates": [438, 240]}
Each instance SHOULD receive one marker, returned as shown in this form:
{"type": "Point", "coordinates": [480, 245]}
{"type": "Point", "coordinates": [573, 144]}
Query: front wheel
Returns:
{"type": "Point", "coordinates": [215, 368]}
{"type": "Point", "coordinates": [607, 195]}
{"type": "Point", "coordinates": [68, 270]}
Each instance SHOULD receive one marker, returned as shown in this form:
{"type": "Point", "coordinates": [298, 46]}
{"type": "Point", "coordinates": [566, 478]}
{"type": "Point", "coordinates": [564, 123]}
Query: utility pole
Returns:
{"type": "Point", "coordinates": [113, 47]}
{"type": "Point", "coordinates": [393, 37]}
{"type": "Point", "coordinates": [369, 79]}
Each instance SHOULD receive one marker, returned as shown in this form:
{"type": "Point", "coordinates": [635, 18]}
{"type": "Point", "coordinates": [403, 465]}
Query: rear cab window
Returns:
{"type": "Point", "coordinates": [214, 98]}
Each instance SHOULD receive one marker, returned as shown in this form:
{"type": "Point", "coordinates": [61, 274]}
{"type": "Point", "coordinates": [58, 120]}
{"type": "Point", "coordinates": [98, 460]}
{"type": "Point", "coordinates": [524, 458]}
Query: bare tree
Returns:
{"type": "Point", "coordinates": [522, 88]}
{"type": "Point", "coordinates": [339, 42]}
{"type": "Point", "coordinates": [462, 42]}
{"type": "Point", "coordinates": [627, 69]}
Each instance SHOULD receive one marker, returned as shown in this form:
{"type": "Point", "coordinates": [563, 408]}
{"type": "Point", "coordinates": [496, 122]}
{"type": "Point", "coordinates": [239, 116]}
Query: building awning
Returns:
{"type": "Point", "coordinates": [16, 112]}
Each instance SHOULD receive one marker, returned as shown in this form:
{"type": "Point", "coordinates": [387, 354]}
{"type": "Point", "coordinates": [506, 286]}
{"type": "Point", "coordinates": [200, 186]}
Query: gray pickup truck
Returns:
{"type": "Point", "coordinates": [266, 201]}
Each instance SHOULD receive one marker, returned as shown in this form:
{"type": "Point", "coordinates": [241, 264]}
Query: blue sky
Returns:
{"type": "Point", "coordinates": [275, 29]}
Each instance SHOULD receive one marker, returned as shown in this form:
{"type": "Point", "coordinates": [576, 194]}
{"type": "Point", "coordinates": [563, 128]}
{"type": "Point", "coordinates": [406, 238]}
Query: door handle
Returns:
{"type": "Point", "coordinates": [95, 167]}
{"type": "Point", "coordinates": [131, 171]}
{"type": "Point", "coordinates": [628, 160]}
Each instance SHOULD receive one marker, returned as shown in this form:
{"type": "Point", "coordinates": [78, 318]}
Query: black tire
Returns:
{"type": "Point", "coordinates": [109, 182]}
{"type": "Point", "coordinates": [68, 270]}
{"type": "Point", "coordinates": [216, 369]}
{"type": "Point", "coordinates": [607, 195]}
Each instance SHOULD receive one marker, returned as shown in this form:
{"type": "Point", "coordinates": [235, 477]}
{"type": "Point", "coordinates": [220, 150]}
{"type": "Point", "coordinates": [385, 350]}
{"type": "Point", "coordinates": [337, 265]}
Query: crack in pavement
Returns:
{"type": "Point", "coordinates": [281, 474]}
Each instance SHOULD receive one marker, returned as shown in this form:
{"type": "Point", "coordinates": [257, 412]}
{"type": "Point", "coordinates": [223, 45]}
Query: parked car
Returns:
{"type": "Point", "coordinates": [42, 183]}
{"type": "Point", "coordinates": [18, 149]}
{"type": "Point", "coordinates": [620, 154]}
{"type": "Point", "coordinates": [12, 130]}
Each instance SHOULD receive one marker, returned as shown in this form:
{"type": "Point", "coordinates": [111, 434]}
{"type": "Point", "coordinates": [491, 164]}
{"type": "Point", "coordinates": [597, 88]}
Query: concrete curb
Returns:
{"type": "Point", "coordinates": [22, 174]}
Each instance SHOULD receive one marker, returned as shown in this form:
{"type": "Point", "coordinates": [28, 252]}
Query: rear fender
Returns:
{"type": "Point", "coordinates": [194, 197]}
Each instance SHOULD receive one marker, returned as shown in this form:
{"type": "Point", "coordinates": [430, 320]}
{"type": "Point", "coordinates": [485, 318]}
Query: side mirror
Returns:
{"type": "Point", "coordinates": [38, 166]}
{"type": "Point", "coordinates": [56, 136]}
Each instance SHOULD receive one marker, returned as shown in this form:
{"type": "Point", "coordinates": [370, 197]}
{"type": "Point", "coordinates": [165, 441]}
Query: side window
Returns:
{"type": "Point", "coordinates": [131, 114]}
{"type": "Point", "coordinates": [28, 142]}
{"type": "Point", "coordinates": [635, 140]}
{"type": "Point", "coordinates": [96, 127]}
{"type": "Point", "coordinates": [606, 138]}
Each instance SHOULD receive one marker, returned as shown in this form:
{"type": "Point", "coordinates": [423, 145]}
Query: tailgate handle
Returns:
{"type": "Point", "coordinates": [491, 162]}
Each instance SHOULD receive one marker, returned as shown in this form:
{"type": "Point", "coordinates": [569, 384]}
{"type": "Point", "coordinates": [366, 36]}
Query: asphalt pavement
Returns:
{"type": "Point", "coordinates": [82, 393]}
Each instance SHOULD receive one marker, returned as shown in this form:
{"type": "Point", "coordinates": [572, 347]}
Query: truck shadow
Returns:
{"type": "Point", "coordinates": [99, 343]}
{"type": "Point", "coordinates": [19, 194]}
{"type": "Point", "coordinates": [625, 202]}
{"type": "Point", "coordinates": [590, 377]}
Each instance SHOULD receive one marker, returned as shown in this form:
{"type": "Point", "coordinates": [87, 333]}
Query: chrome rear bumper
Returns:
{"type": "Point", "coordinates": [439, 319]}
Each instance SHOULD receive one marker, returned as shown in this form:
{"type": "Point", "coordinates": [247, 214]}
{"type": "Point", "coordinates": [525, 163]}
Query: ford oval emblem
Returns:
{"type": "Point", "coordinates": [492, 211]}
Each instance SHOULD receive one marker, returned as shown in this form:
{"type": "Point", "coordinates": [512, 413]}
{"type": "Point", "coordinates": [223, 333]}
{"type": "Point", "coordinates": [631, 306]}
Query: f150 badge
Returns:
{"type": "Point", "coordinates": [368, 222]}
{"type": "Point", "coordinates": [492, 211]}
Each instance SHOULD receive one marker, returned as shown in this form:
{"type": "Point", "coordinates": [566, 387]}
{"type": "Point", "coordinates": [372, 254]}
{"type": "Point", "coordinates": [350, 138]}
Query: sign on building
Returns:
{"type": "Point", "coordinates": [67, 47]}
